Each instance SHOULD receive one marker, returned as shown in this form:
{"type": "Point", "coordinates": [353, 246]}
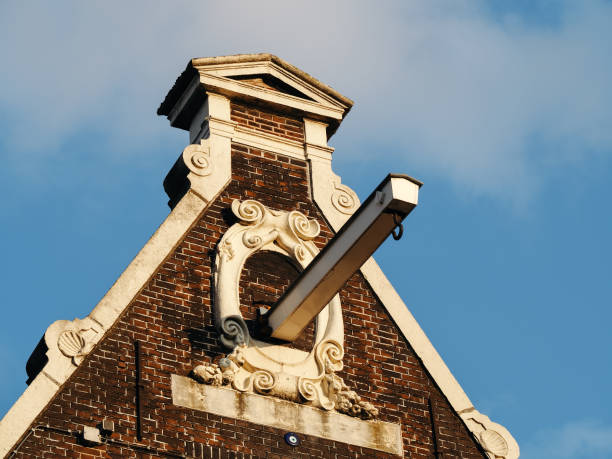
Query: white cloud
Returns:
{"type": "Point", "coordinates": [491, 102]}
{"type": "Point", "coordinates": [575, 440]}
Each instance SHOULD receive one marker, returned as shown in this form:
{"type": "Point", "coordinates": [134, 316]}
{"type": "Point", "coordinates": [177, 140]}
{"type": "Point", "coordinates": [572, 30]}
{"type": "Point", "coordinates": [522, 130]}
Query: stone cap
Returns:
{"type": "Point", "coordinates": [261, 79]}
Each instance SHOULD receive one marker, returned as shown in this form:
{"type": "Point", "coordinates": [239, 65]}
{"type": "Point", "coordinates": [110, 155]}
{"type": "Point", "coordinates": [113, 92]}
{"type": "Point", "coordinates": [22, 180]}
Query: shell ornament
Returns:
{"type": "Point", "coordinates": [493, 443]}
{"type": "Point", "coordinates": [71, 343]}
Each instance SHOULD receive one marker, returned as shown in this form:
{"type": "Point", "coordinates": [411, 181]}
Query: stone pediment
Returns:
{"type": "Point", "coordinates": [265, 78]}
{"type": "Point", "coordinates": [270, 82]}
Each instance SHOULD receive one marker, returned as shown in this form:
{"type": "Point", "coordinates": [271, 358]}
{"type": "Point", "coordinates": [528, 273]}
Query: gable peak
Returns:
{"type": "Point", "coordinates": [260, 79]}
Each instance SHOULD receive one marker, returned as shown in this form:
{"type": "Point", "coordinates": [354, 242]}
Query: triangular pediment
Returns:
{"type": "Point", "coordinates": [273, 71]}
{"type": "Point", "coordinates": [261, 78]}
{"type": "Point", "coordinates": [270, 82]}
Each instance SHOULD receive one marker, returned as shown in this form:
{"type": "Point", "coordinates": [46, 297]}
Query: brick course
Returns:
{"type": "Point", "coordinates": [267, 121]}
{"type": "Point", "coordinates": [172, 317]}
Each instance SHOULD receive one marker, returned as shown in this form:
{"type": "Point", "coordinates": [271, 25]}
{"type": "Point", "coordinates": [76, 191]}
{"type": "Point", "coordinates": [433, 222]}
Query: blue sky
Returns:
{"type": "Point", "coordinates": [503, 109]}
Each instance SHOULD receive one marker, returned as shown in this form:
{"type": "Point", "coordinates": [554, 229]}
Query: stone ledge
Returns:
{"type": "Point", "coordinates": [288, 416]}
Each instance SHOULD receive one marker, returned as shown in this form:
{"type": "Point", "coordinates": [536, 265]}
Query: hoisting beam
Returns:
{"type": "Point", "coordinates": [380, 215]}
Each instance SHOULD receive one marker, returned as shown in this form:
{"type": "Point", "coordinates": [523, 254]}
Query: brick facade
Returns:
{"type": "Point", "coordinates": [172, 318]}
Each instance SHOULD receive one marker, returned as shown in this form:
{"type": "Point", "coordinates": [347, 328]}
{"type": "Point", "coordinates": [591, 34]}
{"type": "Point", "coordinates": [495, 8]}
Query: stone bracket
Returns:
{"type": "Point", "coordinates": [204, 167]}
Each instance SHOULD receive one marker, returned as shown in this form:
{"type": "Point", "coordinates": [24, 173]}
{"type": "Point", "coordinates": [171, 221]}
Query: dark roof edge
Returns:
{"type": "Point", "coordinates": [177, 89]}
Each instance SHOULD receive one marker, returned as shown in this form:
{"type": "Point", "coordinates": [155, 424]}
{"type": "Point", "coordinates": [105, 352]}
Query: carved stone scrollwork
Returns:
{"type": "Point", "coordinates": [204, 168]}
{"type": "Point", "coordinates": [234, 331]}
{"type": "Point", "coordinates": [328, 392]}
{"type": "Point", "coordinates": [336, 200]}
{"type": "Point", "coordinates": [216, 374]}
{"type": "Point", "coordinates": [264, 368]}
{"type": "Point", "coordinates": [197, 159]}
{"type": "Point", "coordinates": [344, 199]}
{"type": "Point", "coordinates": [259, 228]}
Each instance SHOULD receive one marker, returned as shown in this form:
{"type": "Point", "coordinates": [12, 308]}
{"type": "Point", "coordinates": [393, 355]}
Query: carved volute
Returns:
{"type": "Point", "coordinates": [255, 365]}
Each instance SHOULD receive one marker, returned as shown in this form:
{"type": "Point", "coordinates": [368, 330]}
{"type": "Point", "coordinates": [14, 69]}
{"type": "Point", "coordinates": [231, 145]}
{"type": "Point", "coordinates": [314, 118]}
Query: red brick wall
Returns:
{"type": "Point", "coordinates": [173, 319]}
{"type": "Point", "coordinates": [266, 121]}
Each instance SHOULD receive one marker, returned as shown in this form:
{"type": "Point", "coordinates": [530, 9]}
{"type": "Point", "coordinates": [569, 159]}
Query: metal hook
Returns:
{"type": "Point", "coordinates": [397, 219]}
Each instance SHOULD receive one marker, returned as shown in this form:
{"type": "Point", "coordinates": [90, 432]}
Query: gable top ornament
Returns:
{"type": "Point", "coordinates": [263, 77]}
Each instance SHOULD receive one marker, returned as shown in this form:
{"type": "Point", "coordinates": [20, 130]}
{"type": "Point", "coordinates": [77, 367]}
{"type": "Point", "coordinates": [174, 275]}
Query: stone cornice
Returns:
{"type": "Point", "coordinates": [223, 75]}
{"type": "Point", "coordinates": [234, 88]}
{"type": "Point", "coordinates": [250, 59]}
{"type": "Point", "coordinates": [382, 436]}
{"type": "Point", "coordinates": [269, 142]}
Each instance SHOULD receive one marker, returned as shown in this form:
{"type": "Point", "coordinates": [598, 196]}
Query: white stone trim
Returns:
{"type": "Point", "coordinates": [259, 366]}
{"type": "Point", "coordinates": [260, 228]}
{"type": "Point", "coordinates": [268, 142]}
{"type": "Point", "coordinates": [217, 75]}
{"type": "Point", "coordinates": [214, 119]}
{"type": "Point", "coordinates": [315, 132]}
{"type": "Point", "coordinates": [209, 165]}
{"type": "Point", "coordinates": [234, 87]}
{"type": "Point", "coordinates": [255, 67]}
{"type": "Point", "coordinates": [216, 107]}
{"type": "Point", "coordinates": [148, 259]}
{"type": "Point", "coordinates": [336, 201]}
{"type": "Point", "coordinates": [249, 137]}
{"type": "Point", "coordinates": [324, 184]}
{"type": "Point", "coordinates": [59, 367]}
{"type": "Point", "coordinates": [494, 438]}
{"type": "Point", "coordinates": [415, 335]}
{"type": "Point", "coordinates": [24, 411]}
{"type": "Point", "coordinates": [287, 416]}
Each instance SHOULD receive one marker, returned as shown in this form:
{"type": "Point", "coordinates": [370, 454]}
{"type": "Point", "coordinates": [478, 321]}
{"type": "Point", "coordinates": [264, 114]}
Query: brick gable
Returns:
{"type": "Point", "coordinates": [172, 317]}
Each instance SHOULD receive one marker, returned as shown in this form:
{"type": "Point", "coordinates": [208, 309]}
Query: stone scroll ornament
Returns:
{"type": "Point", "coordinates": [343, 198]}
{"type": "Point", "coordinates": [276, 370]}
{"type": "Point", "coordinates": [197, 159]}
